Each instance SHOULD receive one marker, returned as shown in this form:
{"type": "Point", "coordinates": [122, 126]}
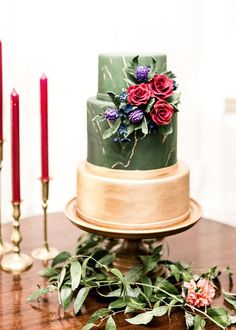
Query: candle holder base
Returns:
{"type": "Point", "coordinates": [16, 263]}
{"type": "Point", "coordinates": [5, 248]}
{"type": "Point", "coordinates": [44, 254]}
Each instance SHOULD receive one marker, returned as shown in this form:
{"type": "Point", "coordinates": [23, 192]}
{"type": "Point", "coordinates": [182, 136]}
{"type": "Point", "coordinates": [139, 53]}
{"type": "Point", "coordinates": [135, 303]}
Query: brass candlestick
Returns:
{"type": "Point", "coordinates": [45, 253]}
{"type": "Point", "coordinates": [15, 261]}
{"type": "Point", "coordinates": [4, 246]}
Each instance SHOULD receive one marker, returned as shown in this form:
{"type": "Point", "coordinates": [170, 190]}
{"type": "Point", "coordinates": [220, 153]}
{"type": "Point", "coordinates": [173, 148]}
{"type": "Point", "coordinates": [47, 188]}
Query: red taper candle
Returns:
{"type": "Point", "coordinates": [44, 127]}
{"type": "Point", "coordinates": [15, 147]}
{"type": "Point", "coordinates": [1, 96]}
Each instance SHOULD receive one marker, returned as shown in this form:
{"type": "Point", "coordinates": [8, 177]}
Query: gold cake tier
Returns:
{"type": "Point", "coordinates": [133, 200]}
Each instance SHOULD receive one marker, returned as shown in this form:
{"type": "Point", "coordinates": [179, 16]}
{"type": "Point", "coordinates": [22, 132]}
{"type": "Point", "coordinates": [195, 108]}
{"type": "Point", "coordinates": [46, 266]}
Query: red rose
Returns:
{"type": "Point", "coordinates": [162, 112]}
{"type": "Point", "coordinates": [138, 94]}
{"type": "Point", "coordinates": [161, 86]}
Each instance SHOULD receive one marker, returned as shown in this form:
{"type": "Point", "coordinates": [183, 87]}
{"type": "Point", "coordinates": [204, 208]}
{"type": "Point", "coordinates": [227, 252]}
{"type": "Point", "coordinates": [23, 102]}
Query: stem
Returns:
{"type": "Point", "coordinates": [106, 317]}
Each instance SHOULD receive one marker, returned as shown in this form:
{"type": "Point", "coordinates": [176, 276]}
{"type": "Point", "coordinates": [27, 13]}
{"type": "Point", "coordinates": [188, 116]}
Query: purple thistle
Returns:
{"type": "Point", "coordinates": [141, 73]}
{"type": "Point", "coordinates": [111, 114]}
{"type": "Point", "coordinates": [136, 116]}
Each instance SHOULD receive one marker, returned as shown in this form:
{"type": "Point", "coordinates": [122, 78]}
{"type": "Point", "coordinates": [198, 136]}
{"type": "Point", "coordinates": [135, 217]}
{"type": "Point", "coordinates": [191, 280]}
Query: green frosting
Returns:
{"type": "Point", "coordinates": [142, 153]}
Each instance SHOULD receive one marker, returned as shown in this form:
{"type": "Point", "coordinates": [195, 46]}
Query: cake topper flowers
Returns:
{"type": "Point", "coordinates": [147, 105]}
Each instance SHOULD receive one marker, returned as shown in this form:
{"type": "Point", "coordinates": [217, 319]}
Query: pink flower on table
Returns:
{"type": "Point", "coordinates": [200, 294]}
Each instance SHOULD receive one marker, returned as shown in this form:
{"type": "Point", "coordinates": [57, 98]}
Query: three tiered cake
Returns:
{"type": "Point", "coordinates": [132, 179]}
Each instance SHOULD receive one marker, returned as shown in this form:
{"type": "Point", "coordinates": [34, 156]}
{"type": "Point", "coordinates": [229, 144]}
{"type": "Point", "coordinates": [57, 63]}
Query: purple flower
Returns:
{"type": "Point", "coordinates": [141, 73]}
{"type": "Point", "coordinates": [136, 116]}
{"type": "Point", "coordinates": [111, 114]}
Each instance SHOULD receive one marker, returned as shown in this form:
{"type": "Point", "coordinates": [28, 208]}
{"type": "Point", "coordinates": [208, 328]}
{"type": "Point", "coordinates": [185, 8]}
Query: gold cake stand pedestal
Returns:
{"type": "Point", "coordinates": [132, 246]}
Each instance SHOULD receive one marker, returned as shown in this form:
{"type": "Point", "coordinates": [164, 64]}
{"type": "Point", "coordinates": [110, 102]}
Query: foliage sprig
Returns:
{"type": "Point", "coordinates": [140, 292]}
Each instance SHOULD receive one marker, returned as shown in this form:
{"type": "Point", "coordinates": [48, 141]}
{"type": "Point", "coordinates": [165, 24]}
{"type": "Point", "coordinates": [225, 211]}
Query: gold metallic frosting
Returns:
{"type": "Point", "coordinates": [133, 199]}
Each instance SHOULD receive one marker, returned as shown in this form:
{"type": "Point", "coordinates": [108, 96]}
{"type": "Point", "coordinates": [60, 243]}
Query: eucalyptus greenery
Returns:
{"type": "Point", "coordinates": [140, 294]}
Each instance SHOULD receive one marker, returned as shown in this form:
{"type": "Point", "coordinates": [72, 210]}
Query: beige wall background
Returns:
{"type": "Point", "coordinates": [64, 38]}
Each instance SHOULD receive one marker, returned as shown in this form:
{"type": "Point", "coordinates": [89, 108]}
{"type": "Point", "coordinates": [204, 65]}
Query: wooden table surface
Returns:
{"type": "Point", "coordinates": [207, 244]}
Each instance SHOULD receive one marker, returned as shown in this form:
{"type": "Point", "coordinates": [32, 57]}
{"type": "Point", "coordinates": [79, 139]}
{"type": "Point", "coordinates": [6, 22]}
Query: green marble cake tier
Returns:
{"type": "Point", "coordinates": [111, 71]}
{"type": "Point", "coordinates": [142, 153]}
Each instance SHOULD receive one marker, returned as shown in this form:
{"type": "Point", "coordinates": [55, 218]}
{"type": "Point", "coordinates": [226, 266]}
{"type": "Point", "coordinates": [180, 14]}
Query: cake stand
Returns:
{"type": "Point", "coordinates": [132, 245]}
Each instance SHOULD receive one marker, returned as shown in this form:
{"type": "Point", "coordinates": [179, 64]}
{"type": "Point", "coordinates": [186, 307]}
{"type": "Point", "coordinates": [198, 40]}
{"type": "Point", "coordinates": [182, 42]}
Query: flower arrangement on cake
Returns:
{"type": "Point", "coordinates": [141, 294]}
{"type": "Point", "coordinates": [147, 105]}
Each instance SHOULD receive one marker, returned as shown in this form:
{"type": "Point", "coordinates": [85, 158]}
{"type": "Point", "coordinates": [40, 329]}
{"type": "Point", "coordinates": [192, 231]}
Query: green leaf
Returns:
{"type": "Point", "coordinates": [147, 289]}
{"type": "Point", "coordinates": [199, 323]}
{"type": "Point", "coordinates": [166, 285]}
{"type": "Point", "coordinates": [135, 61]}
{"type": "Point", "coordinates": [150, 104]}
{"type": "Point", "coordinates": [150, 261]}
{"type": "Point", "coordinates": [134, 274]}
{"type": "Point", "coordinates": [84, 269]}
{"type": "Point", "coordinates": [48, 272]}
{"type": "Point", "coordinates": [112, 96]}
{"type": "Point", "coordinates": [130, 130]}
{"type": "Point", "coordinates": [102, 312]}
{"type": "Point", "coordinates": [107, 133]}
{"type": "Point", "coordinates": [65, 296]}
{"type": "Point", "coordinates": [131, 72]}
{"type": "Point", "coordinates": [169, 74]}
{"type": "Point", "coordinates": [75, 273]}
{"type": "Point", "coordinates": [154, 63]}
{"type": "Point", "coordinates": [119, 303]}
{"type": "Point", "coordinates": [160, 311]}
{"type": "Point", "coordinates": [174, 270]}
{"type": "Point", "coordinates": [186, 276]}
{"type": "Point", "coordinates": [144, 126]}
{"type": "Point", "coordinates": [165, 130]}
{"type": "Point", "coordinates": [112, 130]}
{"type": "Point", "coordinates": [219, 315]}
{"type": "Point", "coordinates": [189, 320]}
{"type": "Point", "coordinates": [117, 293]}
{"type": "Point", "coordinates": [106, 260]}
{"type": "Point", "coordinates": [230, 298]}
{"type": "Point", "coordinates": [80, 298]}
{"type": "Point", "coordinates": [62, 276]}
{"type": "Point", "coordinates": [61, 257]}
{"type": "Point", "coordinates": [110, 325]}
{"type": "Point", "coordinates": [118, 274]}
{"type": "Point", "coordinates": [88, 326]}
{"type": "Point", "coordinates": [174, 99]}
{"type": "Point", "coordinates": [136, 305]}
{"type": "Point", "coordinates": [143, 318]}
{"type": "Point", "coordinates": [41, 292]}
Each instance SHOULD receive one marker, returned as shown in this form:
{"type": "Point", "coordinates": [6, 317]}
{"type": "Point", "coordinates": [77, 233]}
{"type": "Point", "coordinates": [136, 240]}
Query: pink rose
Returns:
{"type": "Point", "coordinates": [162, 112]}
{"type": "Point", "coordinates": [199, 294]}
{"type": "Point", "coordinates": [138, 94]}
{"type": "Point", "coordinates": [161, 86]}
